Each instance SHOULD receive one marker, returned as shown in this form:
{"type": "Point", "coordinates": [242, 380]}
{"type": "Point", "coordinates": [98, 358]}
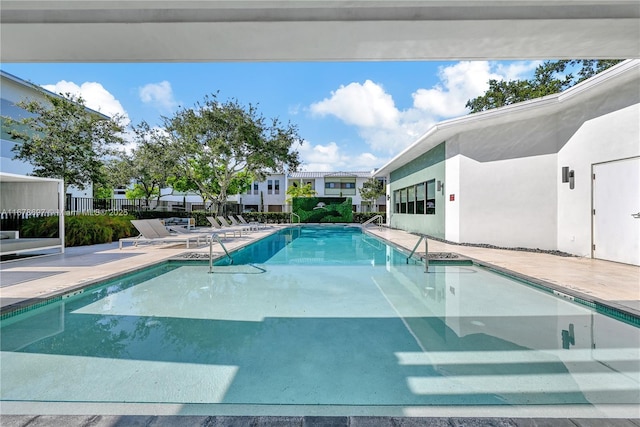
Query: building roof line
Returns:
{"type": "Point", "coordinates": [447, 128]}
{"type": "Point", "coordinates": [34, 86]}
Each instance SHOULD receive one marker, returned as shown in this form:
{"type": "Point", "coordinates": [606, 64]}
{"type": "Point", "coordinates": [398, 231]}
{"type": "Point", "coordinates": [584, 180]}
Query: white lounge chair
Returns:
{"type": "Point", "coordinates": [226, 225]}
{"type": "Point", "coordinates": [257, 223]}
{"type": "Point", "coordinates": [249, 227]}
{"type": "Point", "coordinates": [153, 231]}
{"type": "Point", "coordinates": [215, 224]}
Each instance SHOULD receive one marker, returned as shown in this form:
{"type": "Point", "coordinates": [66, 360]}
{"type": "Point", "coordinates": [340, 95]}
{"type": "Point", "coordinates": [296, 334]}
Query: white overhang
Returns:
{"type": "Point", "coordinates": [316, 30]}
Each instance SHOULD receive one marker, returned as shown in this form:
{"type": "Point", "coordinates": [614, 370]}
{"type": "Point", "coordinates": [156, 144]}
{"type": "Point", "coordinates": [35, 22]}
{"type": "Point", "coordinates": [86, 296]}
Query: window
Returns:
{"type": "Point", "coordinates": [403, 200]}
{"type": "Point", "coordinates": [417, 199]}
{"type": "Point", "coordinates": [411, 200]}
{"type": "Point", "coordinates": [431, 197]}
{"type": "Point", "coordinates": [255, 188]}
{"type": "Point", "coordinates": [396, 201]}
{"type": "Point", "coordinates": [276, 187]}
{"type": "Point", "coordinates": [270, 186]}
{"type": "Point", "coordinates": [420, 198]}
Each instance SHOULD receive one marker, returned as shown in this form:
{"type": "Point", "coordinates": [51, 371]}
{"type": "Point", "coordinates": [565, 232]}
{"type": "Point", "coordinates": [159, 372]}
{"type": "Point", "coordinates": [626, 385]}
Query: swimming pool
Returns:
{"type": "Point", "coordinates": [319, 316]}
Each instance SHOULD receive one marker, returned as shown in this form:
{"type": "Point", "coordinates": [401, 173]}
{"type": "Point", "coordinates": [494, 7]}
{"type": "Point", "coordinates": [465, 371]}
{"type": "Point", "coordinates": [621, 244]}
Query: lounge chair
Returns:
{"type": "Point", "coordinates": [215, 224]}
{"type": "Point", "coordinates": [235, 223]}
{"type": "Point", "coordinates": [257, 223]}
{"type": "Point", "coordinates": [225, 224]}
{"type": "Point", "coordinates": [153, 231]}
{"type": "Point", "coordinates": [204, 232]}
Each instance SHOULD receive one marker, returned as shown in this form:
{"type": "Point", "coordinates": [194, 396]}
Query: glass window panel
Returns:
{"type": "Point", "coordinates": [420, 191]}
{"type": "Point", "coordinates": [396, 201]}
{"type": "Point", "coordinates": [411, 200]}
{"type": "Point", "coordinates": [431, 189]}
{"type": "Point", "coordinates": [431, 197]}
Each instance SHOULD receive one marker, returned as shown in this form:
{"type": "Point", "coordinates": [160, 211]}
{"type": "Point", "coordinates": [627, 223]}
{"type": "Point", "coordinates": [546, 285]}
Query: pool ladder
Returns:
{"type": "Point", "coordinates": [370, 220]}
{"type": "Point", "coordinates": [216, 237]}
{"type": "Point", "coordinates": [426, 252]}
{"type": "Point", "coordinates": [291, 217]}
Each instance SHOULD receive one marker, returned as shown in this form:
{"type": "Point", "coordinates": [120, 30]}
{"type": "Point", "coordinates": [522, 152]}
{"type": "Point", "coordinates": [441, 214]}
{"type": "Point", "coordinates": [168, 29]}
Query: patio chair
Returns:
{"type": "Point", "coordinates": [257, 223]}
{"type": "Point", "coordinates": [250, 227]}
{"type": "Point", "coordinates": [225, 224]}
{"type": "Point", "coordinates": [215, 224]}
{"type": "Point", "coordinates": [153, 231]}
{"type": "Point", "coordinates": [179, 230]}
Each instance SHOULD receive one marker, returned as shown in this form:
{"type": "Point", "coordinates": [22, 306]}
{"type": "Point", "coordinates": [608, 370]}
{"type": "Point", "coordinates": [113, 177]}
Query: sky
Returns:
{"type": "Point", "coordinates": [352, 116]}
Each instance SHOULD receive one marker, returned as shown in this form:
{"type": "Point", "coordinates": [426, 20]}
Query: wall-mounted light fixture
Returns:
{"type": "Point", "coordinates": [568, 176]}
{"type": "Point", "coordinates": [388, 197]}
{"type": "Point", "coordinates": [440, 186]}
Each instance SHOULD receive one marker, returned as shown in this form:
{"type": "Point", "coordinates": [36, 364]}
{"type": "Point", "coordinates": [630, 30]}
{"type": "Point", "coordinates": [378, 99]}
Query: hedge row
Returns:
{"type": "Point", "coordinates": [81, 230]}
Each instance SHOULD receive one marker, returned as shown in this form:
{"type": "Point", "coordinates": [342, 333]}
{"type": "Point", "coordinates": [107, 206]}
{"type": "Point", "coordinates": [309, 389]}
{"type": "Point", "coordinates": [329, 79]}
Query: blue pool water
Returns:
{"type": "Point", "coordinates": [319, 316]}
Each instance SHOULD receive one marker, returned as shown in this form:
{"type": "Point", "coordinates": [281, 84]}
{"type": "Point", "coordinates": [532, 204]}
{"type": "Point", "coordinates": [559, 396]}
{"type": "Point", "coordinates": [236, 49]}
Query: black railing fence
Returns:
{"type": "Point", "coordinates": [80, 205]}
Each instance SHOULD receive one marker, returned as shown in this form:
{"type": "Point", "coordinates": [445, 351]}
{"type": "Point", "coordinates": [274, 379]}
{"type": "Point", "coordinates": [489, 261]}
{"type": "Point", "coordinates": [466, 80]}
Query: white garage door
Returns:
{"type": "Point", "coordinates": [616, 216]}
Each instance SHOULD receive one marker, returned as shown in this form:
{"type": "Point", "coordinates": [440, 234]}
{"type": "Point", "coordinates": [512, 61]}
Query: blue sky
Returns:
{"type": "Point", "coordinates": [352, 116]}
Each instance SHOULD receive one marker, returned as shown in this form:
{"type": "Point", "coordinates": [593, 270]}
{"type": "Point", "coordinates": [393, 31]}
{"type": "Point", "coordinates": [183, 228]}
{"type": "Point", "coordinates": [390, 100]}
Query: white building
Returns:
{"type": "Point", "coordinates": [270, 195]}
{"type": "Point", "coordinates": [560, 172]}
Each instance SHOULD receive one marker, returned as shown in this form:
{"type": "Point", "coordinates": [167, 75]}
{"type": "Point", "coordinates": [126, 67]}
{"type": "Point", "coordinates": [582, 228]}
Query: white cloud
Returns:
{"type": "Point", "coordinates": [459, 83]}
{"type": "Point", "coordinates": [388, 130]}
{"type": "Point", "coordinates": [330, 157]}
{"type": "Point", "coordinates": [363, 105]}
{"type": "Point", "coordinates": [95, 97]}
{"type": "Point", "coordinates": [158, 94]}
{"type": "Point", "coordinates": [517, 70]}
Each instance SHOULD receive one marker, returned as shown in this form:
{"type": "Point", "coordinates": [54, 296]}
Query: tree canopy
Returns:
{"type": "Point", "coordinates": [63, 139]}
{"type": "Point", "coordinates": [222, 146]}
{"type": "Point", "coordinates": [549, 78]}
{"type": "Point", "coordinates": [371, 190]}
{"type": "Point", "coordinates": [300, 191]}
{"type": "Point", "coordinates": [150, 165]}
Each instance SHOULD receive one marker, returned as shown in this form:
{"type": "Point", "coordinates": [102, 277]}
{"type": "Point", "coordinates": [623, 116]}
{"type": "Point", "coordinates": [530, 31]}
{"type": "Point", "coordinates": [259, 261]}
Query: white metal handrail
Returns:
{"type": "Point", "coordinates": [215, 237]}
{"type": "Point", "coordinates": [370, 220]}
{"type": "Point", "coordinates": [426, 252]}
{"type": "Point", "coordinates": [297, 216]}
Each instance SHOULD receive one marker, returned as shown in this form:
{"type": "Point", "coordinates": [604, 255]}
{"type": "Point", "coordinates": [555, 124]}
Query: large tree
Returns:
{"type": "Point", "coordinates": [371, 190]}
{"type": "Point", "coordinates": [63, 139]}
{"type": "Point", "coordinates": [218, 145]}
{"type": "Point", "coordinates": [149, 165]}
{"type": "Point", "coordinates": [549, 78]}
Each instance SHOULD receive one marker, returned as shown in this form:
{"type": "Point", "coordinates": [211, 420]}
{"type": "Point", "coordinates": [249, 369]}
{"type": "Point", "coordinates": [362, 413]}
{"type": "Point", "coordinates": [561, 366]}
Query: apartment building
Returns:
{"type": "Point", "coordinates": [270, 195]}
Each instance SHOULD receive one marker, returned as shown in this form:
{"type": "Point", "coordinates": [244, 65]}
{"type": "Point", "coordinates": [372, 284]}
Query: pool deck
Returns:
{"type": "Point", "coordinates": [29, 280]}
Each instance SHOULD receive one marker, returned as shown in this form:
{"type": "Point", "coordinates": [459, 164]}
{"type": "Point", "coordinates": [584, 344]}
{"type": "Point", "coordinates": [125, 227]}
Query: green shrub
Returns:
{"type": "Point", "coordinates": [323, 209]}
{"type": "Point", "coordinates": [81, 230]}
{"type": "Point", "coordinates": [268, 217]}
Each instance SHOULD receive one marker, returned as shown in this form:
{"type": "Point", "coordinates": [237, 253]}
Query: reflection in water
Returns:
{"type": "Point", "coordinates": [345, 323]}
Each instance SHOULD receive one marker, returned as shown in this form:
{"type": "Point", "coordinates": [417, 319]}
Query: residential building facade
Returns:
{"type": "Point", "coordinates": [270, 195]}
